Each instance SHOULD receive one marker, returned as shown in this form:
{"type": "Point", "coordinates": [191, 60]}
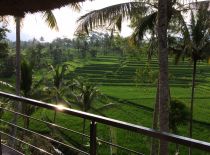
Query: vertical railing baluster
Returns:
{"type": "Point", "coordinates": [93, 141]}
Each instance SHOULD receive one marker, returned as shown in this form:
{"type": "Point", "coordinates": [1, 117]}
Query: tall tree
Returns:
{"type": "Point", "coordinates": [17, 106]}
{"type": "Point", "coordinates": [25, 86]}
{"type": "Point", "coordinates": [195, 44]}
{"type": "Point", "coordinates": [50, 19]}
{"type": "Point", "coordinates": [164, 13]}
{"type": "Point", "coordinates": [57, 88]}
{"type": "Point", "coordinates": [84, 94]}
{"type": "Point", "coordinates": [114, 14]}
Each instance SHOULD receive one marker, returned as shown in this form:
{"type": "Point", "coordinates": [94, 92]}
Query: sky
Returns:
{"type": "Point", "coordinates": [34, 26]}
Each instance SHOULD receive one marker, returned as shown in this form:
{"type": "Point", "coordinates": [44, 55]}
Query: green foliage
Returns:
{"type": "Point", "coordinates": [195, 42]}
{"type": "Point", "coordinates": [58, 75]}
{"type": "Point", "coordinates": [7, 67]}
{"type": "Point", "coordinates": [34, 53]}
{"type": "Point", "coordinates": [93, 52]}
{"type": "Point", "coordinates": [57, 55]}
{"type": "Point", "coordinates": [26, 77]}
{"type": "Point", "coordinates": [55, 88]}
{"type": "Point", "coordinates": [3, 43]}
{"type": "Point", "coordinates": [6, 63]}
{"type": "Point", "coordinates": [146, 75]}
{"type": "Point", "coordinates": [134, 104]}
{"type": "Point", "coordinates": [112, 15]}
{"type": "Point", "coordinates": [178, 115]}
{"type": "Point", "coordinates": [84, 93]}
{"type": "Point", "coordinates": [145, 23]}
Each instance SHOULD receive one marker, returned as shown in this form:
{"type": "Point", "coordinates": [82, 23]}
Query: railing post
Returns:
{"type": "Point", "coordinates": [93, 141]}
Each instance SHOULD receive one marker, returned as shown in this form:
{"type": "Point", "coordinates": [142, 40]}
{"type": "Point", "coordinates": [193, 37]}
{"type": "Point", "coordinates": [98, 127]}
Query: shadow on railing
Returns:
{"type": "Point", "coordinates": [23, 145]}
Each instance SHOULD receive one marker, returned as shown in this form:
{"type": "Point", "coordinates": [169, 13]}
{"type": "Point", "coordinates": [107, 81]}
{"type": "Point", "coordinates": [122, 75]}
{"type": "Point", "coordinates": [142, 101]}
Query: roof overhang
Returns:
{"type": "Point", "coordinates": [20, 7]}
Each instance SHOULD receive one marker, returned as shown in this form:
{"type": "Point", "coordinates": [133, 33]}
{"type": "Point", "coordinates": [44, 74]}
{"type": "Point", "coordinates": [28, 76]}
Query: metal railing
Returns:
{"type": "Point", "coordinates": [93, 138]}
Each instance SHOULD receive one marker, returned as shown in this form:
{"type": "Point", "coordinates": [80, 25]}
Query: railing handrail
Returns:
{"type": "Point", "coordinates": [116, 123]}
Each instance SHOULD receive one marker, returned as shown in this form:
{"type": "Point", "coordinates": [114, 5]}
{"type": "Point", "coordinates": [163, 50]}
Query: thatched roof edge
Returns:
{"type": "Point", "coordinates": [21, 7]}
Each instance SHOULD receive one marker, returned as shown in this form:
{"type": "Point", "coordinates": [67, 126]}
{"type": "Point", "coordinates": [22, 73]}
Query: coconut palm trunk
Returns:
{"type": "Point", "coordinates": [18, 59]}
{"type": "Point", "coordinates": [17, 106]}
{"type": "Point", "coordinates": [192, 102]}
{"type": "Point", "coordinates": [163, 72]}
{"type": "Point", "coordinates": [154, 145]}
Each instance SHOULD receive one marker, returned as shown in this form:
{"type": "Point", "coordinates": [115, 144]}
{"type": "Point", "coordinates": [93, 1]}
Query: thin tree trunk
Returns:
{"type": "Point", "coordinates": [154, 143]}
{"type": "Point", "coordinates": [26, 109]}
{"type": "Point", "coordinates": [54, 118]}
{"type": "Point", "coordinates": [18, 59]}
{"type": "Point", "coordinates": [192, 102]}
{"type": "Point", "coordinates": [55, 112]}
{"type": "Point", "coordinates": [17, 106]}
{"type": "Point", "coordinates": [83, 130]}
{"type": "Point", "coordinates": [163, 73]}
{"type": "Point", "coordinates": [27, 122]}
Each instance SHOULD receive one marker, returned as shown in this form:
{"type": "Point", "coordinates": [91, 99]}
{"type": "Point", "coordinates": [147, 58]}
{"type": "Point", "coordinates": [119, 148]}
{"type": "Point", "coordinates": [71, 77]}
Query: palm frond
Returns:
{"type": "Point", "coordinates": [184, 27]}
{"type": "Point", "coordinates": [50, 19]}
{"type": "Point", "coordinates": [106, 16]}
{"type": "Point", "coordinates": [52, 69]}
{"type": "Point", "coordinates": [200, 25]}
{"type": "Point", "coordinates": [75, 6]}
{"type": "Point", "coordinates": [4, 20]}
{"type": "Point", "coordinates": [146, 23]}
{"type": "Point", "coordinates": [119, 23]}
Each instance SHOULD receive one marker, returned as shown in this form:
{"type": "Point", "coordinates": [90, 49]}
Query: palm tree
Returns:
{"type": "Point", "coordinates": [25, 86]}
{"type": "Point", "coordinates": [49, 17]}
{"type": "Point", "coordinates": [84, 94]}
{"type": "Point", "coordinates": [196, 45]}
{"type": "Point", "coordinates": [57, 88]}
{"type": "Point", "coordinates": [26, 78]}
{"type": "Point", "coordinates": [17, 106]}
{"type": "Point", "coordinates": [52, 23]}
{"type": "Point", "coordinates": [164, 15]}
{"type": "Point", "coordinates": [29, 88]}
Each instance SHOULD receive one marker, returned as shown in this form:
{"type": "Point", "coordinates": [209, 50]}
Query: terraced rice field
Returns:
{"type": "Point", "coordinates": [135, 101]}
{"type": "Point", "coordinates": [116, 79]}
